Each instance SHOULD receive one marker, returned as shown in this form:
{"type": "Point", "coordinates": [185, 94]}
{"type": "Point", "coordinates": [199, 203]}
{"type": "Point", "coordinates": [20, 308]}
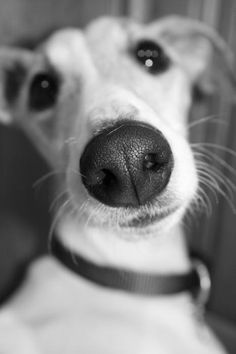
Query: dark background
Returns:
{"type": "Point", "coordinates": [24, 218]}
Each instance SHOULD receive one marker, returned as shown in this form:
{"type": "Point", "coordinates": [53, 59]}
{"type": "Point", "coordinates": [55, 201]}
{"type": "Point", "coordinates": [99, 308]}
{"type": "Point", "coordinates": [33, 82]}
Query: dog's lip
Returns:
{"type": "Point", "coordinates": [148, 219]}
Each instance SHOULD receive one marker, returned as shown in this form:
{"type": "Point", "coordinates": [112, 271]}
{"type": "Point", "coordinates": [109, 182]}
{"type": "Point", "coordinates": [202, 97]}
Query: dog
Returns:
{"type": "Point", "coordinates": [108, 109]}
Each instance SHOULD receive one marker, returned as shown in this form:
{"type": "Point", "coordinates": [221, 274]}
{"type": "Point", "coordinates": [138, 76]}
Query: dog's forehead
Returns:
{"type": "Point", "coordinates": [102, 59]}
{"type": "Point", "coordinates": [113, 30]}
{"type": "Point", "coordinates": [102, 41]}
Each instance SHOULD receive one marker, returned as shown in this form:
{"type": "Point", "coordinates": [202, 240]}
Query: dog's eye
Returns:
{"type": "Point", "coordinates": [152, 56]}
{"type": "Point", "coordinates": [43, 91]}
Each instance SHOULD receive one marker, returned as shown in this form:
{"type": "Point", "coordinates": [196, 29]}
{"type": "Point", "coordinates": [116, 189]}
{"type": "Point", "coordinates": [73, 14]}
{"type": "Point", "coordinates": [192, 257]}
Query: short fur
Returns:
{"type": "Point", "coordinates": [56, 312]}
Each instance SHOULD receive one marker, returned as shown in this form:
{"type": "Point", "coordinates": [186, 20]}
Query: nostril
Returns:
{"type": "Point", "coordinates": [151, 162]}
{"type": "Point", "coordinates": [154, 161]}
{"type": "Point", "coordinates": [103, 177]}
{"type": "Point", "coordinates": [97, 178]}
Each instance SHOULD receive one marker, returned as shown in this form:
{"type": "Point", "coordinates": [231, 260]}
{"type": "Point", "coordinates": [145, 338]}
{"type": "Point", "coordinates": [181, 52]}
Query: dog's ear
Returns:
{"type": "Point", "coordinates": [14, 65]}
{"type": "Point", "coordinates": [201, 51]}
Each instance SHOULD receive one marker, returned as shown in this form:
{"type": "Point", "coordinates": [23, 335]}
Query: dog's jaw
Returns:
{"type": "Point", "coordinates": [92, 94]}
{"type": "Point", "coordinates": [157, 252]}
{"type": "Point", "coordinates": [112, 235]}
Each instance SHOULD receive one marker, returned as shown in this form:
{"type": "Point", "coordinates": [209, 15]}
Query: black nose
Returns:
{"type": "Point", "coordinates": [126, 165]}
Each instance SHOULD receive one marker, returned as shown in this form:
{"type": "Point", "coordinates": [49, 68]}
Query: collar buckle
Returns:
{"type": "Point", "coordinates": [203, 292]}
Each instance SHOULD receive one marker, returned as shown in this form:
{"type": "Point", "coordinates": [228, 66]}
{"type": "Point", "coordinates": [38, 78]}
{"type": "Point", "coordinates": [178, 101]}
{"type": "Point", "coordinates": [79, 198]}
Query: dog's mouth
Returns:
{"type": "Point", "coordinates": [128, 219]}
{"type": "Point", "coordinates": [147, 219]}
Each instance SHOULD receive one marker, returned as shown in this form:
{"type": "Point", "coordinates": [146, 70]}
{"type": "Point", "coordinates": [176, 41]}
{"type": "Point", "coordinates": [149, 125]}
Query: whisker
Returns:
{"type": "Point", "coordinates": [210, 175]}
{"type": "Point", "coordinates": [56, 199]}
{"type": "Point", "coordinates": [93, 214]}
{"type": "Point", "coordinates": [201, 199]}
{"type": "Point", "coordinates": [215, 146]}
{"type": "Point", "coordinates": [208, 155]}
{"type": "Point", "coordinates": [214, 182]}
{"type": "Point", "coordinates": [71, 141]}
{"type": "Point", "coordinates": [220, 176]}
{"type": "Point", "coordinates": [209, 183]}
{"type": "Point", "coordinates": [77, 173]}
{"type": "Point", "coordinates": [45, 177]}
{"type": "Point", "coordinates": [58, 215]}
{"type": "Point", "coordinates": [210, 118]}
{"type": "Point", "coordinates": [82, 208]}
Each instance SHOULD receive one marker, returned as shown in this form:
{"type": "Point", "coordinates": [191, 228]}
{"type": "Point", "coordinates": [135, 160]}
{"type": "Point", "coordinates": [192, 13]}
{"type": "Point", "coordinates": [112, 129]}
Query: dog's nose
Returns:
{"type": "Point", "coordinates": [126, 165]}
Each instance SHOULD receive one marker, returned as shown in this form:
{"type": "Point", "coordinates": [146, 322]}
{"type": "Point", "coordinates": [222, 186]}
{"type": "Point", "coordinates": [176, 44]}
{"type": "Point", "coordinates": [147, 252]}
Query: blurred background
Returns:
{"type": "Point", "coordinates": [24, 218]}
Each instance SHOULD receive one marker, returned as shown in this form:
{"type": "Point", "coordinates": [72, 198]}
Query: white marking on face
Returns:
{"type": "Point", "coordinates": [101, 83]}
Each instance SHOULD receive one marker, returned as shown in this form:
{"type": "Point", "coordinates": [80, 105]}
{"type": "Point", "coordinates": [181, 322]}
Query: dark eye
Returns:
{"type": "Point", "coordinates": [152, 56]}
{"type": "Point", "coordinates": [43, 91]}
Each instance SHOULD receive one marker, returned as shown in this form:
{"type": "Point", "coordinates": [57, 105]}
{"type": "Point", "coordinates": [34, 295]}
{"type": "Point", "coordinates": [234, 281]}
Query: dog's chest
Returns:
{"type": "Point", "coordinates": [69, 315]}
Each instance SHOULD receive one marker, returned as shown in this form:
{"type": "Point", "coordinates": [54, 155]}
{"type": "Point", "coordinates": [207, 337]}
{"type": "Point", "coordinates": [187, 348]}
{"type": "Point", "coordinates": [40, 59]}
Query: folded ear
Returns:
{"type": "Point", "coordinates": [201, 51]}
{"type": "Point", "coordinates": [14, 66]}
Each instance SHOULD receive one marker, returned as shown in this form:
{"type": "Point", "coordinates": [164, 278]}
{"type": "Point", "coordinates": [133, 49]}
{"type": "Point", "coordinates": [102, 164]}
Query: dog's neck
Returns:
{"type": "Point", "coordinates": [165, 253]}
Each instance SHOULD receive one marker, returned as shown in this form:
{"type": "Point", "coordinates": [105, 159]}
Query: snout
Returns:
{"type": "Point", "coordinates": [126, 165]}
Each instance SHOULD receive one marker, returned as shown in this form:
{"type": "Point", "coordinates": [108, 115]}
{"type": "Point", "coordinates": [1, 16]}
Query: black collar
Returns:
{"type": "Point", "coordinates": [126, 280]}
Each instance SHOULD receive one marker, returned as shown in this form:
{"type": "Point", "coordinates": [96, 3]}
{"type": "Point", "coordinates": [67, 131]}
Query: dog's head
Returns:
{"type": "Point", "coordinates": [108, 109]}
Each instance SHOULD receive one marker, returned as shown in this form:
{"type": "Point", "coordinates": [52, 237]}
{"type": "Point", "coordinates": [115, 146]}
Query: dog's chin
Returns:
{"type": "Point", "coordinates": [142, 224]}
{"type": "Point", "coordinates": [146, 220]}
{"type": "Point", "coordinates": [148, 225]}
{"type": "Point", "coordinates": [130, 223]}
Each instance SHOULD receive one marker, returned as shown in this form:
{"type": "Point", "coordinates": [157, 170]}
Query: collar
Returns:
{"type": "Point", "coordinates": [150, 284]}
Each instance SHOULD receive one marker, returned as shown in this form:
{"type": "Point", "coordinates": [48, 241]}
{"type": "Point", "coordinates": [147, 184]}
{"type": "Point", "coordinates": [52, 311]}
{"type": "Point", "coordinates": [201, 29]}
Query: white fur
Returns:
{"type": "Point", "coordinates": [55, 312]}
